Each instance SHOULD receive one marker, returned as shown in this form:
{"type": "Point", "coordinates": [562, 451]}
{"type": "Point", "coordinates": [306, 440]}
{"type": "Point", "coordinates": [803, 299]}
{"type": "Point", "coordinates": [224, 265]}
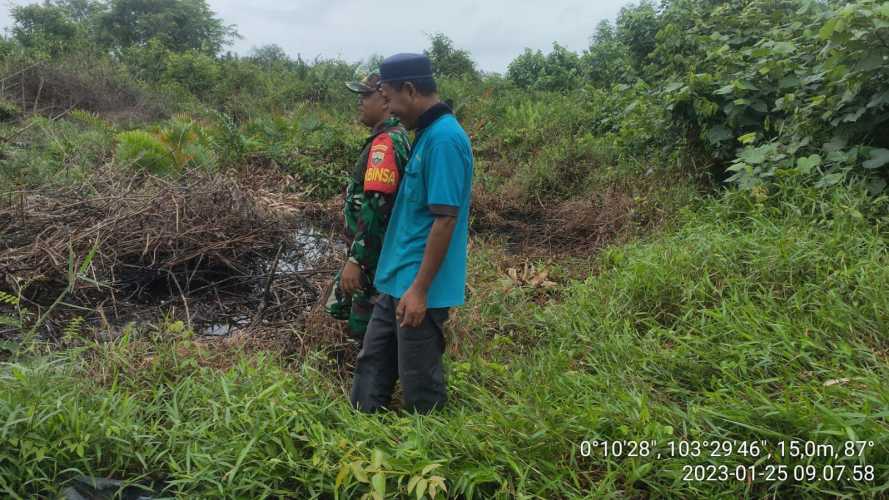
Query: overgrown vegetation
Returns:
{"type": "Point", "coordinates": [679, 234]}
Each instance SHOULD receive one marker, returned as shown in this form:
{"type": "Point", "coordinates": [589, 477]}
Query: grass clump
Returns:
{"type": "Point", "coordinates": [740, 326]}
{"type": "Point", "coordinates": [44, 152]}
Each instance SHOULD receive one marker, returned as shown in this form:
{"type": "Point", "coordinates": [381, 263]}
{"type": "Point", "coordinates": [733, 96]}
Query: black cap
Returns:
{"type": "Point", "coordinates": [405, 67]}
{"type": "Point", "coordinates": [366, 86]}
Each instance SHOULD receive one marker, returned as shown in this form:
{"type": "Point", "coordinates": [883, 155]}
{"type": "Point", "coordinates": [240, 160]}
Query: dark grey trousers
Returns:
{"type": "Point", "coordinates": [390, 352]}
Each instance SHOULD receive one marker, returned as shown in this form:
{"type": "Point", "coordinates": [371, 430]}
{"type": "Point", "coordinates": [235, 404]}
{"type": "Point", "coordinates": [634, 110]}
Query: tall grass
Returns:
{"type": "Point", "coordinates": [754, 320]}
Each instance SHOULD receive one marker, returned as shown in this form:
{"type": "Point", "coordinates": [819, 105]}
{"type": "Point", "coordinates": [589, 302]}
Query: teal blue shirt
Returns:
{"type": "Point", "coordinates": [439, 172]}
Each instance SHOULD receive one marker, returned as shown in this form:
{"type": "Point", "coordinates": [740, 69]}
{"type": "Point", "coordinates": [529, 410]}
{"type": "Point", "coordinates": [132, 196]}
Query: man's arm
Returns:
{"type": "Point", "coordinates": [365, 249]}
{"type": "Point", "coordinates": [412, 306]}
{"type": "Point", "coordinates": [380, 184]}
{"type": "Point", "coordinates": [446, 183]}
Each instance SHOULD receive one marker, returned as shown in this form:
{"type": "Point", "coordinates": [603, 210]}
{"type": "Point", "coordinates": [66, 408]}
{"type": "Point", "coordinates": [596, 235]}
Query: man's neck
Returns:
{"type": "Point", "coordinates": [426, 104]}
{"type": "Point", "coordinates": [423, 119]}
{"type": "Point", "coordinates": [379, 126]}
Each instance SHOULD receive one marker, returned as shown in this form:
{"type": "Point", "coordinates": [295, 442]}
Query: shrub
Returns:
{"type": "Point", "coordinates": [187, 143]}
{"type": "Point", "coordinates": [144, 151]}
{"type": "Point", "coordinates": [9, 111]}
{"type": "Point", "coordinates": [194, 70]}
{"type": "Point", "coordinates": [811, 87]}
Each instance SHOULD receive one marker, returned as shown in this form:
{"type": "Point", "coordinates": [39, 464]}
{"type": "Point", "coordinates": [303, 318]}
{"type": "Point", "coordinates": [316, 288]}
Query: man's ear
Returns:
{"type": "Point", "coordinates": [410, 89]}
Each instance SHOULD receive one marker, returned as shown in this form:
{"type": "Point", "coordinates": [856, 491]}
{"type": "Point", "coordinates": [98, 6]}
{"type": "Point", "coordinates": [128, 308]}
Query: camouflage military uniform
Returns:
{"type": "Point", "coordinates": [370, 196]}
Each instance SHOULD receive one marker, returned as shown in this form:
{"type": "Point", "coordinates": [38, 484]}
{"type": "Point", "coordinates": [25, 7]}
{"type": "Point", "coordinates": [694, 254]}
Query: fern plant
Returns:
{"type": "Point", "coordinates": [72, 328]}
{"type": "Point", "coordinates": [92, 119]}
{"type": "Point", "coordinates": [10, 300]}
{"type": "Point", "coordinates": [144, 151]}
{"type": "Point", "coordinates": [186, 142]}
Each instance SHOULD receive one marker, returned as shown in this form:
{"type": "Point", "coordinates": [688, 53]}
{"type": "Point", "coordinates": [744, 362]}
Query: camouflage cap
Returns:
{"type": "Point", "coordinates": [366, 86]}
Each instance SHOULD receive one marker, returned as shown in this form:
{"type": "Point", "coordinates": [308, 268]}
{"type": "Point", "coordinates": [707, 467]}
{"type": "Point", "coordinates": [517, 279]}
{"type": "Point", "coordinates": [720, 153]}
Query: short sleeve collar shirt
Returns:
{"type": "Point", "coordinates": [438, 175]}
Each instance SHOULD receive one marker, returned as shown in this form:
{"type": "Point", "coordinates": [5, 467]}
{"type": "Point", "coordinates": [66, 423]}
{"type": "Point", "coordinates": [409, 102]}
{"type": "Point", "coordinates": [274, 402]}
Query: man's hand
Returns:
{"type": "Point", "coordinates": [411, 308]}
{"type": "Point", "coordinates": [350, 278]}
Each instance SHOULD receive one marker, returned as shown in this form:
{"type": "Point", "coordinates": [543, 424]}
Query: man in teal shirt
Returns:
{"type": "Point", "coordinates": [422, 268]}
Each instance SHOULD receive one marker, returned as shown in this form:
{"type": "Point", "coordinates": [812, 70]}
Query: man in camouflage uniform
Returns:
{"type": "Point", "coordinates": [370, 196]}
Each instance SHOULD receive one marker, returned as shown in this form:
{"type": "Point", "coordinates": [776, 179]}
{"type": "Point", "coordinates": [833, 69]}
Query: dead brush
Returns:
{"type": "Point", "coordinates": [574, 227]}
{"type": "Point", "coordinates": [199, 245]}
{"type": "Point", "coordinates": [85, 83]}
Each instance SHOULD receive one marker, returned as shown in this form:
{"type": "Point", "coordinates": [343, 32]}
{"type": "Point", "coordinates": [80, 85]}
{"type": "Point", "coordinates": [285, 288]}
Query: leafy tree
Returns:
{"type": "Point", "coordinates": [558, 70]}
{"type": "Point", "coordinates": [270, 56]}
{"type": "Point", "coordinates": [526, 69]}
{"type": "Point", "coordinates": [562, 69]}
{"type": "Point", "coordinates": [194, 70]}
{"type": "Point", "coordinates": [637, 27]}
{"type": "Point", "coordinates": [86, 12]}
{"type": "Point", "coordinates": [180, 25]}
{"type": "Point", "coordinates": [608, 60]}
{"type": "Point", "coordinates": [47, 26]}
{"type": "Point", "coordinates": [448, 60]}
{"type": "Point", "coordinates": [324, 78]}
{"type": "Point", "coordinates": [147, 62]}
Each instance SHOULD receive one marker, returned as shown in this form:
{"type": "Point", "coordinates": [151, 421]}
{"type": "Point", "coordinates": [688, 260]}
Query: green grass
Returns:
{"type": "Point", "coordinates": [42, 152]}
{"type": "Point", "coordinates": [750, 321]}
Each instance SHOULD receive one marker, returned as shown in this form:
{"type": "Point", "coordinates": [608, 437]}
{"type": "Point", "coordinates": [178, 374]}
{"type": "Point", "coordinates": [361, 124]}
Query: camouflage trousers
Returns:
{"type": "Point", "coordinates": [356, 309]}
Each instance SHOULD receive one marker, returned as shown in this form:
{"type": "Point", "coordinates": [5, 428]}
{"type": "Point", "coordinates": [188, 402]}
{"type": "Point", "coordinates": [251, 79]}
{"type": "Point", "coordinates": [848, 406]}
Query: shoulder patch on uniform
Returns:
{"type": "Point", "coordinates": [382, 172]}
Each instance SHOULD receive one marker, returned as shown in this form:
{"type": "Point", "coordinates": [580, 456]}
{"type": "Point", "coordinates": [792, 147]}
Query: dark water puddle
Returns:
{"type": "Point", "coordinates": [216, 300]}
{"type": "Point", "coordinates": [223, 329]}
{"type": "Point", "coordinates": [308, 249]}
{"type": "Point", "coordinates": [311, 246]}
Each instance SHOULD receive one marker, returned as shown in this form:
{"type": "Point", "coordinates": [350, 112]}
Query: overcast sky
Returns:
{"type": "Point", "coordinates": [494, 31]}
